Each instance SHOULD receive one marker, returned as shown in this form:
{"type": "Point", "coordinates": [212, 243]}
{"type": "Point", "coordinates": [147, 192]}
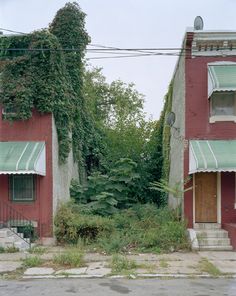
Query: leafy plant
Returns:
{"type": "Point", "coordinates": [177, 190]}
{"type": "Point", "coordinates": [71, 226]}
{"type": "Point", "coordinates": [104, 194]}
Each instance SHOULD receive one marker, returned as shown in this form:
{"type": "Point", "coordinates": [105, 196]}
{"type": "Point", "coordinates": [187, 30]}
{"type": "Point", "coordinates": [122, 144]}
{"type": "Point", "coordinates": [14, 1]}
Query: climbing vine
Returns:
{"type": "Point", "coordinates": [49, 78]}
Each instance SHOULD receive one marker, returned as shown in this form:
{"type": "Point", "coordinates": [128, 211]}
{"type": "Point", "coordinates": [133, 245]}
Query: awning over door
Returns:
{"type": "Point", "coordinates": [221, 77]}
{"type": "Point", "coordinates": [22, 158]}
{"type": "Point", "coordinates": [212, 156]}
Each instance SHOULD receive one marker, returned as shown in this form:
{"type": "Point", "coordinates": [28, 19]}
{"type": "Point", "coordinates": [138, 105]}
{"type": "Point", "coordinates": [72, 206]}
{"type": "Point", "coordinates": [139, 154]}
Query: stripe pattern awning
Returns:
{"type": "Point", "coordinates": [22, 158]}
{"type": "Point", "coordinates": [212, 156]}
{"type": "Point", "coordinates": [221, 77]}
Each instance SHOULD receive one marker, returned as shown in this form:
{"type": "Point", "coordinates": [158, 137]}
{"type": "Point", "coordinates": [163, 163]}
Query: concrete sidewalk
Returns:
{"type": "Point", "coordinates": [178, 264]}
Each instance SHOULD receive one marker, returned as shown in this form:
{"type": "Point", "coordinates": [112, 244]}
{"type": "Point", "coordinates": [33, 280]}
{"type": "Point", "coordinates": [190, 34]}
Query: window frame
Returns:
{"type": "Point", "coordinates": [216, 118]}
{"type": "Point", "coordinates": [11, 188]}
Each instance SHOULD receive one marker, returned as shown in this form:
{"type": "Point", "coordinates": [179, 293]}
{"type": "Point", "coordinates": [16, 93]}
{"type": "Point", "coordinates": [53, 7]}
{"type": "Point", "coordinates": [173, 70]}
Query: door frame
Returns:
{"type": "Point", "coordinates": [218, 193]}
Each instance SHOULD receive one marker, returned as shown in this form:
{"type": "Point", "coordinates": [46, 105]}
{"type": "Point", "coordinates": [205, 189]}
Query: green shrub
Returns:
{"type": "Point", "coordinates": [71, 258]}
{"type": "Point", "coordinates": [142, 228]}
{"type": "Point", "coordinates": [116, 242]}
{"type": "Point", "coordinates": [71, 226]}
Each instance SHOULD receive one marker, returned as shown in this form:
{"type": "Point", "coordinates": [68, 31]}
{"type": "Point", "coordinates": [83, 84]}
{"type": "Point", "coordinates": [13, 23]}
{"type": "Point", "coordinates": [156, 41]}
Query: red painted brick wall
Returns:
{"type": "Point", "coordinates": [228, 198]}
{"type": "Point", "coordinates": [198, 127]}
{"type": "Point", "coordinates": [37, 128]}
{"type": "Point", "coordinates": [231, 228]}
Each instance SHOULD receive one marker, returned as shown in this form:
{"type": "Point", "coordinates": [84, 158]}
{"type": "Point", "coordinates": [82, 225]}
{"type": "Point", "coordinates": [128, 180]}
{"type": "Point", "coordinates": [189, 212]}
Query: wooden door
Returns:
{"type": "Point", "coordinates": [206, 197]}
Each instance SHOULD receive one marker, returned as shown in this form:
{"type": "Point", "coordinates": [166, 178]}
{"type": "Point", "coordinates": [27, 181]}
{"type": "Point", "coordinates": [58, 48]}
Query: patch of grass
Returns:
{"type": "Point", "coordinates": [70, 258]}
{"type": "Point", "coordinates": [2, 250]}
{"type": "Point", "coordinates": [32, 262]}
{"type": "Point", "coordinates": [206, 266]}
{"type": "Point", "coordinates": [163, 263]}
{"type": "Point", "coordinates": [37, 250]}
{"type": "Point", "coordinates": [11, 250]}
{"type": "Point", "coordinates": [122, 265]}
{"type": "Point", "coordinates": [150, 268]}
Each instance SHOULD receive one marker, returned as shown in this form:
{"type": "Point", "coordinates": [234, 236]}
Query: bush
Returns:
{"type": "Point", "coordinates": [141, 228]}
{"type": "Point", "coordinates": [71, 226]}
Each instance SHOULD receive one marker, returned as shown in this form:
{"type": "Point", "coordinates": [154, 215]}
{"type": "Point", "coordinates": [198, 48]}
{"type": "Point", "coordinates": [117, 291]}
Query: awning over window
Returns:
{"type": "Point", "coordinates": [221, 77]}
{"type": "Point", "coordinates": [212, 156]}
{"type": "Point", "coordinates": [22, 158]}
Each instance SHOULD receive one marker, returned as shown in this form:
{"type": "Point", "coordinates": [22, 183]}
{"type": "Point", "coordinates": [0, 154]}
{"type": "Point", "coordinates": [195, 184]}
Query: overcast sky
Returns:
{"type": "Point", "coordinates": [129, 24]}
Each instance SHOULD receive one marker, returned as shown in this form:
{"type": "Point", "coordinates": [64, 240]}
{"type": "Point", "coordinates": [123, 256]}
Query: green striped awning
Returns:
{"type": "Point", "coordinates": [22, 158]}
{"type": "Point", "coordinates": [221, 77]}
{"type": "Point", "coordinates": [212, 156]}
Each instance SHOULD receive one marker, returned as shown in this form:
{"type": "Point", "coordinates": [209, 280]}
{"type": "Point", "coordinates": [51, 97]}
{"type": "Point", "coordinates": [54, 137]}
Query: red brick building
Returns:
{"type": "Point", "coordinates": [32, 182]}
{"type": "Point", "coordinates": [203, 137]}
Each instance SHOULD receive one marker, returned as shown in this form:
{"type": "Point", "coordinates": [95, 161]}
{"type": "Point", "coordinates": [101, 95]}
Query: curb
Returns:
{"type": "Point", "coordinates": [145, 275]}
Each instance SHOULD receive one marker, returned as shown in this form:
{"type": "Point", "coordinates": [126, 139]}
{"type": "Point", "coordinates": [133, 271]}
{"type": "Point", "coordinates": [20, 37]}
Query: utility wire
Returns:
{"type": "Point", "coordinates": [12, 31]}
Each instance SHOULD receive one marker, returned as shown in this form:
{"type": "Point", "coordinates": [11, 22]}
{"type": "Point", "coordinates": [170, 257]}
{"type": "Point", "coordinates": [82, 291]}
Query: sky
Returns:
{"type": "Point", "coordinates": [129, 24]}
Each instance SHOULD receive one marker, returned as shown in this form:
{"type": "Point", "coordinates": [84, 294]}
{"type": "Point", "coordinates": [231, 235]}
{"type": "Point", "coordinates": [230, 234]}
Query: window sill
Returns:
{"type": "Point", "coordinates": [217, 118]}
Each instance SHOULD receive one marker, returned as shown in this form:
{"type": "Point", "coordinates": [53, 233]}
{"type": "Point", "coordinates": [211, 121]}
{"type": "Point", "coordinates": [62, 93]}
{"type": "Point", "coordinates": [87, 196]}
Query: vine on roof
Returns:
{"type": "Point", "coordinates": [51, 81]}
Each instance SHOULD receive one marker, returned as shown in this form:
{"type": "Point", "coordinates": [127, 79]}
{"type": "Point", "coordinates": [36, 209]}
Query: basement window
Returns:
{"type": "Point", "coordinates": [22, 188]}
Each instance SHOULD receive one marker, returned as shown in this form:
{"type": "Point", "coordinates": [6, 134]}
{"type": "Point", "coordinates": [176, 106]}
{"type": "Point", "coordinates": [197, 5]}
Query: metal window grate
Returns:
{"type": "Point", "coordinates": [22, 187]}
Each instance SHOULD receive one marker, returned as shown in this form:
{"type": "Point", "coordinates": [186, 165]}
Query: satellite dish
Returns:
{"type": "Point", "coordinates": [198, 23]}
{"type": "Point", "coordinates": [170, 119]}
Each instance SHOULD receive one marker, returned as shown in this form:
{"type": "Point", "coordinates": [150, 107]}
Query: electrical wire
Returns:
{"type": "Point", "coordinates": [12, 31]}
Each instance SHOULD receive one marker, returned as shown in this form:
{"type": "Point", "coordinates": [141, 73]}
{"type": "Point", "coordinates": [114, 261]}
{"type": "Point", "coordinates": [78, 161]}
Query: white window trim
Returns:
{"type": "Point", "coordinates": [216, 118]}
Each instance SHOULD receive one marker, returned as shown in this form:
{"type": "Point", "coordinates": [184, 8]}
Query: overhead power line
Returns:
{"type": "Point", "coordinates": [12, 31]}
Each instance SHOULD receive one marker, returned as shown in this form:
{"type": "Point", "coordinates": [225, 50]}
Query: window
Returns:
{"type": "Point", "coordinates": [9, 111]}
{"type": "Point", "coordinates": [223, 106]}
{"type": "Point", "coordinates": [22, 188]}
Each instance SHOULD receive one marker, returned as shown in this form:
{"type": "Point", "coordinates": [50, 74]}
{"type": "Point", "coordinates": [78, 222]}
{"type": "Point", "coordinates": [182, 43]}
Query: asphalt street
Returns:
{"type": "Point", "coordinates": [112, 287]}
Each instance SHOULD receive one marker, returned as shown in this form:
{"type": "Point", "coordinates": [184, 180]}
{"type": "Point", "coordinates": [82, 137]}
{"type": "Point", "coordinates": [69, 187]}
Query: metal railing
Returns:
{"type": "Point", "coordinates": [16, 222]}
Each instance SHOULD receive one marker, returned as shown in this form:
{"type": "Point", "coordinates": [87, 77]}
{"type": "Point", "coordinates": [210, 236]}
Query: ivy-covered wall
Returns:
{"type": "Point", "coordinates": [44, 70]}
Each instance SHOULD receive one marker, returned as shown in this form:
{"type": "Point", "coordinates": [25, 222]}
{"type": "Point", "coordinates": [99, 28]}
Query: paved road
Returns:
{"type": "Point", "coordinates": [113, 287]}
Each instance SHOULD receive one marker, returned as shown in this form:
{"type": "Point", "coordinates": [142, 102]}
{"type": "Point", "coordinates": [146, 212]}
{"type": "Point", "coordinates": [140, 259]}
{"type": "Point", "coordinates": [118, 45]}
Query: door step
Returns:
{"type": "Point", "coordinates": [207, 226]}
{"type": "Point", "coordinates": [211, 237]}
{"type": "Point", "coordinates": [9, 238]}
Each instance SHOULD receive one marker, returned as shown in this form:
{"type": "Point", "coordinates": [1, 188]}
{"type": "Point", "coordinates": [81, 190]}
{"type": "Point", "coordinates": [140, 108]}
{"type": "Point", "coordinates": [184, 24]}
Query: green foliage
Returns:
{"type": "Point", "coordinates": [34, 261]}
{"type": "Point", "coordinates": [141, 228]}
{"type": "Point", "coordinates": [37, 250]}
{"type": "Point", "coordinates": [120, 264]}
{"type": "Point", "coordinates": [159, 145]}
{"type": "Point", "coordinates": [177, 190]}
{"type": "Point", "coordinates": [69, 258]}
{"type": "Point", "coordinates": [104, 194]}
{"type": "Point", "coordinates": [51, 81]}
{"type": "Point", "coordinates": [72, 225]}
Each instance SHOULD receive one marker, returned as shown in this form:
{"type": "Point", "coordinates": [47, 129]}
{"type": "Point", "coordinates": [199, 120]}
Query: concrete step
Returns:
{"type": "Point", "coordinates": [21, 245]}
{"type": "Point", "coordinates": [216, 248]}
{"type": "Point", "coordinates": [214, 242]}
{"type": "Point", "coordinates": [217, 233]}
{"type": "Point", "coordinates": [210, 226]}
{"type": "Point", "coordinates": [10, 238]}
{"type": "Point", "coordinates": [4, 232]}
